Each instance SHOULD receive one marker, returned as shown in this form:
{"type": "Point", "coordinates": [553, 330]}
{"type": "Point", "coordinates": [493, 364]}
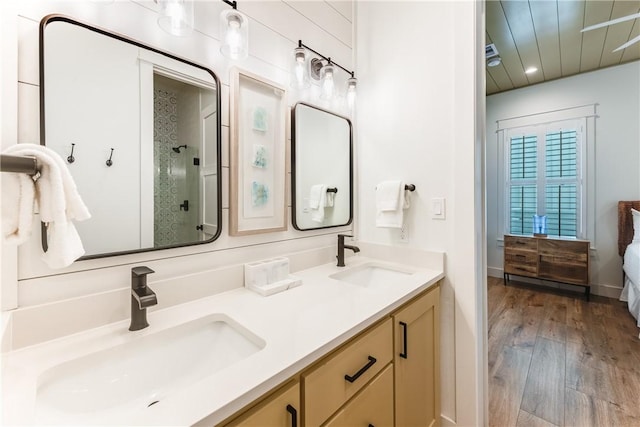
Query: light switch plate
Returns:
{"type": "Point", "coordinates": [438, 208]}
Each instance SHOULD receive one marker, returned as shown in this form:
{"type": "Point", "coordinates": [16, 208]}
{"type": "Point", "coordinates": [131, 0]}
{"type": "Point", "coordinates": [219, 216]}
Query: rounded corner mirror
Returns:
{"type": "Point", "coordinates": [142, 128]}
{"type": "Point", "coordinates": [322, 168]}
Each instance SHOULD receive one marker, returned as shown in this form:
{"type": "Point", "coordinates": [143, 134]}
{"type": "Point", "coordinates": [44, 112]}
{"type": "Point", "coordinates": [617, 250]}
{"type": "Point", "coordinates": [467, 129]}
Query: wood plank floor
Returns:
{"type": "Point", "coordinates": [557, 360]}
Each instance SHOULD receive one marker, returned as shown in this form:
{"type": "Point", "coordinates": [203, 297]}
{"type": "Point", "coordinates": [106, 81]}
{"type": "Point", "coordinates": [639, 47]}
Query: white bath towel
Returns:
{"type": "Point", "coordinates": [391, 201]}
{"type": "Point", "coordinates": [388, 195]}
{"type": "Point", "coordinates": [55, 196]}
{"type": "Point", "coordinates": [317, 201]}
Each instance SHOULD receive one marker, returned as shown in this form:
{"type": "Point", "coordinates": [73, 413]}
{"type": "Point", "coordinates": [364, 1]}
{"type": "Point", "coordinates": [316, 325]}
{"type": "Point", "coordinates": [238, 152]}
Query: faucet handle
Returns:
{"type": "Point", "coordinates": [142, 270]}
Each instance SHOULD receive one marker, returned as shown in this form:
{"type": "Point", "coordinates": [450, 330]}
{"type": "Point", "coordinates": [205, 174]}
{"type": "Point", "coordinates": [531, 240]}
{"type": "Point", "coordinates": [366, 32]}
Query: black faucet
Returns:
{"type": "Point", "coordinates": [141, 298]}
{"type": "Point", "coordinates": [342, 247]}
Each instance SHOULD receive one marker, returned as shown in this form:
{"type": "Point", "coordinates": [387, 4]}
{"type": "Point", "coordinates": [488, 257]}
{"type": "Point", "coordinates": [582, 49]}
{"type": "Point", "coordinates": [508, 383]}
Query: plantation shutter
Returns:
{"type": "Point", "coordinates": [561, 192]}
{"type": "Point", "coordinates": [523, 170]}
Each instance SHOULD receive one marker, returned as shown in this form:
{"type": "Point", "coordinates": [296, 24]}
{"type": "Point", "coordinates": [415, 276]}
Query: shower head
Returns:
{"type": "Point", "coordinates": [177, 149]}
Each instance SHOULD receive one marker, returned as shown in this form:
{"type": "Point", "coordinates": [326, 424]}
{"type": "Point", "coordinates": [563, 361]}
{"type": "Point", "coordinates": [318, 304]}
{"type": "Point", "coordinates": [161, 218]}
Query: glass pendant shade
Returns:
{"type": "Point", "coordinates": [234, 34]}
{"type": "Point", "coordinates": [300, 74]}
{"type": "Point", "coordinates": [351, 91]}
{"type": "Point", "coordinates": [176, 16]}
{"type": "Point", "coordinates": [327, 82]}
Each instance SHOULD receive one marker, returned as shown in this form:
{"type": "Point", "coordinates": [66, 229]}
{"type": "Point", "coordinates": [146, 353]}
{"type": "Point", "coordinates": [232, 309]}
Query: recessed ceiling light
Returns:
{"type": "Point", "coordinates": [530, 70]}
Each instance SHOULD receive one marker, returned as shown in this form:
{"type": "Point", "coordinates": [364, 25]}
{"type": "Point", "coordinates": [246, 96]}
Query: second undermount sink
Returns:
{"type": "Point", "coordinates": [103, 386]}
{"type": "Point", "coordinates": [373, 274]}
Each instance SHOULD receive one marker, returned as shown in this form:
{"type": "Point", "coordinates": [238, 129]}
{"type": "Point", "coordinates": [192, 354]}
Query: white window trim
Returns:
{"type": "Point", "coordinates": [587, 113]}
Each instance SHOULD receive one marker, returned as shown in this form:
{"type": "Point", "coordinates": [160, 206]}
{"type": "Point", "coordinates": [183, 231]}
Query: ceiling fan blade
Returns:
{"type": "Point", "coordinates": [613, 21]}
{"type": "Point", "coordinates": [629, 43]}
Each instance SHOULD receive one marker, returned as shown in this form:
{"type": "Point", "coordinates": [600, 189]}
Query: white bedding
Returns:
{"type": "Point", "coordinates": [631, 290]}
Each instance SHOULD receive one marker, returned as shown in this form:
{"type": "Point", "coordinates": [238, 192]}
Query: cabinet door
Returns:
{"type": "Point", "coordinates": [281, 409]}
{"type": "Point", "coordinates": [373, 406]}
{"type": "Point", "coordinates": [417, 362]}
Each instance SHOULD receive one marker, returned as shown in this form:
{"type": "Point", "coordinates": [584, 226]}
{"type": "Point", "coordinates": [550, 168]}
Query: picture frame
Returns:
{"type": "Point", "coordinates": [257, 155]}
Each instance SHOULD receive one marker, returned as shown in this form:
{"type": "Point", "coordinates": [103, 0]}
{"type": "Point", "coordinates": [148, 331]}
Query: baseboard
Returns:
{"type": "Point", "coordinates": [609, 291]}
{"type": "Point", "coordinates": [446, 421]}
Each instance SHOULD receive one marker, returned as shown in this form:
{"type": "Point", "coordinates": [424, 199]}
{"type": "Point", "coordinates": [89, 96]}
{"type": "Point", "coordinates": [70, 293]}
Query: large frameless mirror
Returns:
{"type": "Point", "coordinates": [322, 168]}
{"type": "Point", "coordinates": [140, 131]}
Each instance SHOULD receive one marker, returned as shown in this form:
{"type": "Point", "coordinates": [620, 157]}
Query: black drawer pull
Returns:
{"type": "Point", "coordinates": [294, 415]}
{"type": "Point", "coordinates": [404, 340]}
{"type": "Point", "coordinates": [371, 425]}
{"type": "Point", "coordinates": [362, 370]}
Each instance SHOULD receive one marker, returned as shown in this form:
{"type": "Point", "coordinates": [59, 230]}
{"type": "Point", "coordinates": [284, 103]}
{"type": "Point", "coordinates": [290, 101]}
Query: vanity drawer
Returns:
{"type": "Point", "coordinates": [326, 387]}
{"type": "Point", "coordinates": [373, 406]}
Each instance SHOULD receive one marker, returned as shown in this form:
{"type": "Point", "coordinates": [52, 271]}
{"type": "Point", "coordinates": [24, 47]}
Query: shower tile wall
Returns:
{"type": "Point", "coordinates": [167, 214]}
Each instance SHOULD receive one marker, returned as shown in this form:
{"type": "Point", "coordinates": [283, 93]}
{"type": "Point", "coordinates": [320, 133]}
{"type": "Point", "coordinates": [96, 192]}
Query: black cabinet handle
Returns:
{"type": "Point", "coordinates": [404, 340]}
{"type": "Point", "coordinates": [371, 425]}
{"type": "Point", "coordinates": [294, 415]}
{"type": "Point", "coordinates": [362, 370]}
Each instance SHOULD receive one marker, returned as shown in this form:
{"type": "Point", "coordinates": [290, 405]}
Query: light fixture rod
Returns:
{"type": "Point", "coordinates": [233, 3]}
{"type": "Point", "coordinates": [300, 44]}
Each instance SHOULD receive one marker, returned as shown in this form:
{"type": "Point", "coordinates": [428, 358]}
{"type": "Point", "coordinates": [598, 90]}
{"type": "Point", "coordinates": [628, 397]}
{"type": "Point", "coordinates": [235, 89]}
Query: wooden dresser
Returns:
{"type": "Point", "coordinates": [557, 260]}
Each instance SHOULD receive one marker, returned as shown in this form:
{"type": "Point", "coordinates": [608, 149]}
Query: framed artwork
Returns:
{"type": "Point", "coordinates": [258, 117]}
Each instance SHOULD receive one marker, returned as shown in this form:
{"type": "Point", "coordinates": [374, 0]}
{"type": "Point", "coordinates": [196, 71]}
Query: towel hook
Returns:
{"type": "Point", "coordinates": [332, 190]}
{"type": "Point", "coordinates": [109, 162]}
{"type": "Point", "coordinates": [410, 187]}
{"type": "Point", "coordinates": [70, 158]}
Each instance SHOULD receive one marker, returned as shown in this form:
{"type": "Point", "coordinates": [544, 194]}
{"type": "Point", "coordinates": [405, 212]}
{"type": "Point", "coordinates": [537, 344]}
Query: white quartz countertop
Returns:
{"type": "Point", "coordinates": [299, 326]}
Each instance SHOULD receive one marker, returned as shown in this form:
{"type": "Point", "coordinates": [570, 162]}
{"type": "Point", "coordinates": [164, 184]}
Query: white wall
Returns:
{"type": "Point", "coordinates": [416, 122]}
{"type": "Point", "coordinates": [616, 91]}
{"type": "Point", "coordinates": [275, 28]}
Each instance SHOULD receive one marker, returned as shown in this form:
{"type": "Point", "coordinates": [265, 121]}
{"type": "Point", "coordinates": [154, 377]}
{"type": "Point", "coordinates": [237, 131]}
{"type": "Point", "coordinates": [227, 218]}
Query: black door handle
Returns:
{"type": "Point", "coordinates": [362, 370]}
{"type": "Point", "coordinates": [403, 354]}
{"type": "Point", "coordinates": [294, 415]}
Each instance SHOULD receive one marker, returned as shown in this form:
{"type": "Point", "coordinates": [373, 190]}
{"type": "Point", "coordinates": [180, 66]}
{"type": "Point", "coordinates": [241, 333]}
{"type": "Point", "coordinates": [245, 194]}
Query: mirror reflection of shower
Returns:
{"type": "Point", "coordinates": [178, 138]}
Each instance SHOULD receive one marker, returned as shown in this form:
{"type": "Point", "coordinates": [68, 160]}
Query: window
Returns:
{"type": "Point", "coordinates": [546, 168]}
{"type": "Point", "coordinates": [545, 172]}
{"type": "Point", "coordinates": [544, 177]}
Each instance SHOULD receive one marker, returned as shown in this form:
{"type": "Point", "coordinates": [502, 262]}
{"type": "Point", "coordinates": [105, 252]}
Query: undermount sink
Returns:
{"type": "Point", "coordinates": [373, 275]}
{"type": "Point", "coordinates": [139, 373]}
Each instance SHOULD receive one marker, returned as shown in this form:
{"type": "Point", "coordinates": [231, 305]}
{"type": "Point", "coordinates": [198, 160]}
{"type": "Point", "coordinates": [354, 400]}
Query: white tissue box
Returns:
{"type": "Point", "coordinates": [270, 276]}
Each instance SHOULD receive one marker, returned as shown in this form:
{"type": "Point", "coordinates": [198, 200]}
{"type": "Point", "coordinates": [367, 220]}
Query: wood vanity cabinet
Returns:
{"type": "Point", "coordinates": [387, 375]}
{"type": "Point", "coordinates": [416, 361]}
{"type": "Point", "coordinates": [279, 409]}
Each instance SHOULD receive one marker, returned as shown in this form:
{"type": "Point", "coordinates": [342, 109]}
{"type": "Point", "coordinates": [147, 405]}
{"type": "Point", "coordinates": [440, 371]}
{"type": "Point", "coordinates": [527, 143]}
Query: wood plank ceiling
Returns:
{"type": "Point", "coordinates": [546, 34]}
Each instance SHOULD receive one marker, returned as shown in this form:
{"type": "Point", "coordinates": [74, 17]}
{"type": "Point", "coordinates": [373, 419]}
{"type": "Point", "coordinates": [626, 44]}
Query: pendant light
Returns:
{"type": "Point", "coordinates": [234, 33]}
{"type": "Point", "coordinates": [176, 16]}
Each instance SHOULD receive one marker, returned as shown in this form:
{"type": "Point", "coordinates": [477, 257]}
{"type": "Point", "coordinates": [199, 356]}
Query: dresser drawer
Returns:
{"type": "Point", "coordinates": [326, 387]}
{"type": "Point", "coordinates": [520, 242]}
{"type": "Point", "coordinates": [520, 269]}
{"type": "Point", "coordinates": [576, 251]}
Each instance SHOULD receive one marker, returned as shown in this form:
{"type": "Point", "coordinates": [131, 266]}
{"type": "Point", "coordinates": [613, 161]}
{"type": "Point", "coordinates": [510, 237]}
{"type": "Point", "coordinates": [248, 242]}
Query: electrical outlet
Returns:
{"type": "Point", "coordinates": [404, 233]}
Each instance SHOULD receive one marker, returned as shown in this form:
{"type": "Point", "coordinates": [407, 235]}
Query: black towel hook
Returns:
{"type": "Point", "coordinates": [410, 187]}
{"type": "Point", "coordinates": [109, 162]}
{"type": "Point", "coordinates": [70, 158]}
